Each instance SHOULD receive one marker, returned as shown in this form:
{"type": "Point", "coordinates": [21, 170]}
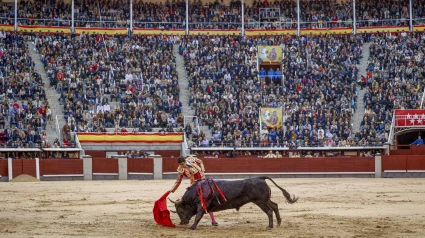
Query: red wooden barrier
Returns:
{"type": "Point", "coordinates": [170, 164]}
{"type": "Point", "coordinates": [168, 153]}
{"type": "Point", "coordinates": [417, 149]}
{"type": "Point", "coordinates": [105, 166]}
{"type": "Point", "coordinates": [96, 153]}
{"type": "Point", "coordinates": [264, 165]}
{"type": "Point", "coordinates": [4, 171]}
{"type": "Point", "coordinates": [140, 165]}
{"type": "Point", "coordinates": [415, 162]}
{"type": "Point", "coordinates": [401, 152]}
{"type": "Point", "coordinates": [61, 166]}
{"type": "Point", "coordinates": [28, 167]}
{"type": "Point", "coordinates": [394, 162]}
{"type": "Point", "coordinates": [17, 167]}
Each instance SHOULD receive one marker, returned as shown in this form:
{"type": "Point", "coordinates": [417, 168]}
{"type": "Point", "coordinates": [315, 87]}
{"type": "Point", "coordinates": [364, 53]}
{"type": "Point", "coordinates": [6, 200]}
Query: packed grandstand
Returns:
{"type": "Point", "coordinates": [126, 83]}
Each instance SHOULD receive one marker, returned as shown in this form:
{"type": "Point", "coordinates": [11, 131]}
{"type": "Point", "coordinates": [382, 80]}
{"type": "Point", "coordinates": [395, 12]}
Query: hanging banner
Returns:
{"type": "Point", "coordinates": [130, 138]}
{"type": "Point", "coordinates": [45, 29]}
{"type": "Point", "coordinates": [328, 31]}
{"type": "Point", "coordinates": [270, 32]}
{"type": "Point", "coordinates": [419, 28]}
{"type": "Point", "coordinates": [272, 54]}
{"type": "Point", "coordinates": [6, 27]}
{"type": "Point", "coordinates": [215, 32]}
{"type": "Point", "coordinates": [147, 31]}
{"type": "Point", "coordinates": [271, 117]}
{"type": "Point", "coordinates": [102, 31]}
{"type": "Point", "coordinates": [410, 118]}
{"type": "Point", "coordinates": [382, 29]}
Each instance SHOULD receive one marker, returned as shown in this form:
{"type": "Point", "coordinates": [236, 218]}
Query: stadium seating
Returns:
{"type": "Point", "coordinates": [24, 107]}
{"type": "Point", "coordinates": [393, 81]}
{"type": "Point", "coordinates": [318, 96]}
{"type": "Point", "coordinates": [104, 84]}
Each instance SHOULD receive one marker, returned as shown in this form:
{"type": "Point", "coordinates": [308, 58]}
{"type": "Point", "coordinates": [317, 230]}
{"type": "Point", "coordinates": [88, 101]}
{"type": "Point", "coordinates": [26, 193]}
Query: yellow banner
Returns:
{"type": "Point", "coordinates": [270, 32]}
{"type": "Point", "coordinates": [7, 28]}
{"type": "Point", "coordinates": [330, 31]}
{"type": "Point", "coordinates": [419, 28]}
{"type": "Point", "coordinates": [140, 31]}
{"type": "Point", "coordinates": [271, 117]}
{"type": "Point", "coordinates": [270, 54]}
{"type": "Point", "coordinates": [130, 138]}
{"type": "Point", "coordinates": [102, 31]}
{"type": "Point", "coordinates": [214, 32]}
{"type": "Point", "coordinates": [382, 29]}
{"type": "Point", "coordinates": [44, 29]}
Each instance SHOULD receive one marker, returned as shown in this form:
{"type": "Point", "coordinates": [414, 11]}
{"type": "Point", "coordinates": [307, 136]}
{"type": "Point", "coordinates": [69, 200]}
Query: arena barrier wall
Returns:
{"type": "Point", "coordinates": [61, 169]}
{"type": "Point", "coordinates": [282, 167]}
{"type": "Point", "coordinates": [241, 167]}
{"type": "Point", "coordinates": [403, 166]}
{"type": "Point", "coordinates": [4, 173]}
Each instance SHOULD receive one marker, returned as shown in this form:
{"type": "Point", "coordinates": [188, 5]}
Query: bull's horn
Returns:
{"type": "Point", "coordinates": [173, 211]}
{"type": "Point", "coordinates": [172, 201]}
{"type": "Point", "coordinates": [175, 202]}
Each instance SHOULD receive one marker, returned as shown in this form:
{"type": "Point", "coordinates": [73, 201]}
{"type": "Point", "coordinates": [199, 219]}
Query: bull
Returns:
{"type": "Point", "coordinates": [237, 193]}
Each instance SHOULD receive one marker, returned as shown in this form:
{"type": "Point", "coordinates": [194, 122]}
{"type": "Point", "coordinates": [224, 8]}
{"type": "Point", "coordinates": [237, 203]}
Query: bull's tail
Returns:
{"type": "Point", "coordinates": [288, 197]}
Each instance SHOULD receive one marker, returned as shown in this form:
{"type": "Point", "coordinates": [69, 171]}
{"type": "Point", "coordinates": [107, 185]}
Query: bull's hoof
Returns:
{"type": "Point", "coordinates": [269, 227]}
{"type": "Point", "coordinates": [279, 222]}
{"type": "Point", "coordinates": [193, 227]}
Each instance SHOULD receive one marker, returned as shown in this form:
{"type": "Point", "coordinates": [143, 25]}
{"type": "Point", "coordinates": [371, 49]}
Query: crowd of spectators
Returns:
{"type": "Point", "coordinates": [394, 80]}
{"type": "Point", "coordinates": [119, 83]}
{"type": "Point", "coordinates": [384, 13]}
{"type": "Point", "coordinates": [24, 111]}
{"type": "Point", "coordinates": [318, 95]}
{"type": "Point", "coordinates": [262, 14]}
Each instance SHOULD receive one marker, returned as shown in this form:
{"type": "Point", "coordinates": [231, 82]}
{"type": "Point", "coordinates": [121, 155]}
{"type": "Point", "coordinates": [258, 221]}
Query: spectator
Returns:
{"type": "Point", "coordinates": [418, 141]}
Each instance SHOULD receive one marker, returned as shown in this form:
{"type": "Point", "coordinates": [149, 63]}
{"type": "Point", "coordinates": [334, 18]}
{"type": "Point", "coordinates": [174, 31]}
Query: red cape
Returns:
{"type": "Point", "coordinates": [161, 214]}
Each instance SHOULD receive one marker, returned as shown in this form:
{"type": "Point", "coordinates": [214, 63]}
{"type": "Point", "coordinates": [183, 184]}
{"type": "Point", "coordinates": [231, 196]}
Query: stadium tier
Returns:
{"type": "Point", "coordinates": [267, 79]}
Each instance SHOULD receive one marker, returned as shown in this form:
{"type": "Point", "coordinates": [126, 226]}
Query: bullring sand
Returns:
{"type": "Point", "coordinates": [338, 207]}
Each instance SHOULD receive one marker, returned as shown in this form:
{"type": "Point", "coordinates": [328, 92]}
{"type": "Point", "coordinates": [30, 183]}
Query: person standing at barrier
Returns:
{"type": "Point", "coordinates": [193, 169]}
{"type": "Point", "coordinates": [418, 141]}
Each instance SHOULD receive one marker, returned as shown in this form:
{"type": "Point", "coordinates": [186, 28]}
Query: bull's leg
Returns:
{"type": "Point", "coordinates": [268, 210]}
{"type": "Point", "coordinates": [275, 208]}
{"type": "Point", "coordinates": [198, 218]}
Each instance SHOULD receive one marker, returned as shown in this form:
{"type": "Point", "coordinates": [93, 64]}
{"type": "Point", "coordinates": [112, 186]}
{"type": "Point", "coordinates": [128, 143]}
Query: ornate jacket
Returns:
{"type": "Point", "coordinates": [194, 172]}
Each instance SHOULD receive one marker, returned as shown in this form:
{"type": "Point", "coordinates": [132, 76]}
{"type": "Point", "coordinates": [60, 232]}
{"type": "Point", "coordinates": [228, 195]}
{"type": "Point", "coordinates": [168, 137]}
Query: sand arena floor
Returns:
{"type": "Point", "coordinates": [327, 207]}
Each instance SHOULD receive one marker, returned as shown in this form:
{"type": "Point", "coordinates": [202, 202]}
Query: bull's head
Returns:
{"type": "Point", "coordinates": [185, 211]}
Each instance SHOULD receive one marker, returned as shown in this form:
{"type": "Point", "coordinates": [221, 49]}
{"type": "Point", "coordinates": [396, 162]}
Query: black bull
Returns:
{"type": "Point", "coordinates": [238, 193]}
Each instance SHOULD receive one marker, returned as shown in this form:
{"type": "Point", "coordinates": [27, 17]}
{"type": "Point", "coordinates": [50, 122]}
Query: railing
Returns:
{"type": "Point", "coordinates": [193, 121]}
{"type": "Point", "coordinates": [297, 144]}
{"type": "Point", "coordinates": [77, 142]}
{"type": "Point", "coordinates": [422, 99]}
{"type": "Point", "coordinates": [58, 131]}
{"type": "Point", "coordinates": [390, 135]}
{"type": "Point", "coordinates": [278, 23]}
{"type": "Point", "coordinates": [227, 148]}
